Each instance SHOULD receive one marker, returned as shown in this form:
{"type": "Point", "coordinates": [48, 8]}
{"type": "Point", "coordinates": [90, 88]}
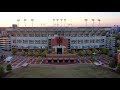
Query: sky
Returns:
{"type": "Point", "coordinates": [72, 18]}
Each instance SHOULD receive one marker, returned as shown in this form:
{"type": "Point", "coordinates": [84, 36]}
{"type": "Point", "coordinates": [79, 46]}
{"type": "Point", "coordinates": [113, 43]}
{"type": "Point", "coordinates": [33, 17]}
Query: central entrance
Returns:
{"type": "Point", "coordinates": [59, 50]}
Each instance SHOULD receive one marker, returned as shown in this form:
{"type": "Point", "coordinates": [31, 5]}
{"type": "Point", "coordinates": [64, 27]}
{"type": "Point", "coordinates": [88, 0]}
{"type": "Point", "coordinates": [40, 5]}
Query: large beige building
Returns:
{"type": "Point", "coordinates": [60, 39]}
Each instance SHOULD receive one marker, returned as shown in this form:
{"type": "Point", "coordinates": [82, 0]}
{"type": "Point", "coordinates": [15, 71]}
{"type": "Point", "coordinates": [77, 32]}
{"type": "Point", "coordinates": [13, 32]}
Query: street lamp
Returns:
{"type": "Point", "coordinates": [57, 22]}
{"type": "Point", "coordinates": [18, 21]}
{"type": "Point", "coordinates": [32, 21]}
{"type": "Point", "coordinates": [25, 22]}
{"type": "Point", "coordinates": [53, 21]}
{"type": "Point", "coordinates": [93, 22]}
{"type": "Point", "coordinates": [61, 22]}
{"type": "Point", "coordinates": [86, 21]}
{"type": "Point", "coordinates": [64, 22]}
{"type": "Point", "coordinates": [99, 22]}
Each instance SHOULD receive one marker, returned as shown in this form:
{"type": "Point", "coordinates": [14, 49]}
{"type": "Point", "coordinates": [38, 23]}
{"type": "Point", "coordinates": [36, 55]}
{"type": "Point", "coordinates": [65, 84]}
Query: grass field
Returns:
{"type": "Point", "coordinates": [63, 71]}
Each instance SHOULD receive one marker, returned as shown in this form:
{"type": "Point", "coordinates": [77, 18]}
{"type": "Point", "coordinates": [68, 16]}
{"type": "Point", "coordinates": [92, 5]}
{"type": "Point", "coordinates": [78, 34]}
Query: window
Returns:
{"type": "Point", "coordinates": [74, 41]}
{"type": "Point", "coordinates": [18, 35]}
{"type": "Point", "coordinates": [37, 41]}
{"type": "Point", "coordinates": [37, 35]}
{"type": "Point", "coordinates": [44, 41]}
{"type": "Point", "coordinates": [31, 41]}
{"type": "Point", "coordinates": [24, 35]}
{"type": "Point", "coordinates": [86, 41]}
{"type": "Point", "coordinates": [31, 35]}
{"type": "Point", "coordinates": [80, 41]}
{"type": "Point", "coordinates": [19, 41]}
{"type": "Point", "coordinates": [25, 41]}
{"type": "Point", "coordinates": [102, 40]}
{"type": "Point", "coordinates": [14, 41]}
{"type": "Point", "coordinates": [44, 35]}
{"type": "Point", "coordinates": [92, 41]}
{"type": "Point", "coordinates": [97, 41]}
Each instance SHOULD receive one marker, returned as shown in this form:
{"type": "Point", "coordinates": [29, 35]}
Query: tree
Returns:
{"type": "Point", "coordinates": [104, 50]}
{"type": "Point", "coordinates": [38, 59]}
{"type": "Point", "coordinates": [14, 51]}
{"type": "Point", "coordinates": [81, 53]}
{"type": "Point", "coordinates": [1, 71]}
{"type": "Point", "coordinates": [65, 52]}
{"type": "Point", "coordinates": [94, 59]}
{"type": "Point", "coordinates": [23, 52]}
{"type": "Point", "coordinates": [30, 52]}
{"type": "Point", "coordinates": [112, 64]}
{"type": "Point", "coordinates": [37, 53]}
{"type": "Point", "coordinates": [44, 53]}
{"type": "Point", "coordinates": [88, 52]}
{"type": "Point", "coordinates": [73, 52]}
{"type": "Point", "coordinates": [95, 50]}
{"type": "Point", "coordinates": [9, 67]}
{"type": "Point", "coordinates": [118, 68]}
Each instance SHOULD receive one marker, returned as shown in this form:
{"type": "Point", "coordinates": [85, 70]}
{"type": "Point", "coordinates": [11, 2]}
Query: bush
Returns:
{"type": "Point", "coordinates": [22, 52]}
{"type": "Point", "coordinates": [118, 68]}
{"type": "Point", "coordinates": [93, 59]}
{"type": "Point", "coordinates": [14, 51]}
{"type": "Point", "coordinates": [112, 64]}
{"type": "Point", "coordinates": [1, 72]}
{"type": "Point", "coordinates": [65, 52]}
{"type": "Point", "coordinates": [9, 67]}
{"type": "Point", "coordinates": [30, 52]}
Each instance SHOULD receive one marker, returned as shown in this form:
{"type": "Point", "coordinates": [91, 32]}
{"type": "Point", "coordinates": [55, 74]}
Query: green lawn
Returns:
{"type": "Point", "coordinates": [63, 71]}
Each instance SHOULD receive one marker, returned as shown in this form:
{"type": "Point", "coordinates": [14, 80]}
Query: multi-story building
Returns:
{"type": "Point", "coordinates": [60, 39]}
{"type": "Point", "coordinates": [4, 39]}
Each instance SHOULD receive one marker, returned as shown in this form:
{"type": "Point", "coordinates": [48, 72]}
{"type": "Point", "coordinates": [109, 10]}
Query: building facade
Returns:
{"type": "Point", "coordinates": [60, 39]}
{"type": "Point", "coordinates": [4, 39]}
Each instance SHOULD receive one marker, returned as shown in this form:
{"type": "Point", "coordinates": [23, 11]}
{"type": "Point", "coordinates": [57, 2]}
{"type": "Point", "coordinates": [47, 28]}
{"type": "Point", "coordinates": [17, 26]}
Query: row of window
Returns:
{"type": "Point", "coordinates": [87, 41]}
{"type": "Point", "coordinates": [30, 41]}
{"type": "Point", "coordinates": [45, 35]}
{"type": "Point", "coordinates": [30, 35]}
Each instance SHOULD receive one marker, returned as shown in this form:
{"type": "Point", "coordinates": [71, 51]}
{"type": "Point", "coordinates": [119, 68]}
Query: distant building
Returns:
{"type": "Point", "coordinates": [4, 39]}
{"type": "Point", "coordinates": [60, 39]}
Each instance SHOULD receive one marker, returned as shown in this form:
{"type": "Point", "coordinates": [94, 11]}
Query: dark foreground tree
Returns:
{"type": "Point", "coordinates": [9, 67]}
{"type": "Point", "coordinates": [112, 64]}
{"type": "Point", "coordinates": [118, 68]}
{"type": "Point", "coordinates": [1, 71]}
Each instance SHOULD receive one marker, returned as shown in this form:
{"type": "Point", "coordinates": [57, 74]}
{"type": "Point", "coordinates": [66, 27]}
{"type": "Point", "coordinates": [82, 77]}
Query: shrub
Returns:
{"type": "Point", "coordinates": [118, 68]}
{"type": "Point", "coordinates": [9, 67]}
{"type": "Point", "coordinates": [14, 51]}
{"type": "Point", "coordinates": [1, 71]}
{"type": "Point", "coordinates": [112, 64]}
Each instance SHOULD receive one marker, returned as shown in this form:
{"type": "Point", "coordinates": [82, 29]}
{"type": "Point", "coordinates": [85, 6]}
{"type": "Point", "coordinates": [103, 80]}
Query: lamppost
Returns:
{"type": "Point", "coordinates": [64, 22]}
{"type": "Point", "coordinates": [86, 21]}
{"type": "Point", "coordinates": [61, 22]}
{"type": "Point", "coordinates": [32, 21]}
{"type": "Point", "coordinates": [57, 22]}
{"type": "Point", "coordinates": [53, 22]}
{"type": "Point", "coordinates": [99, 22]}
{"type": "Point", "coordinates": [25, 22]}
{"type": "Point", "coordinates": [93, 22]}
{"type": "Point", "coordinates": [18, 21]}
